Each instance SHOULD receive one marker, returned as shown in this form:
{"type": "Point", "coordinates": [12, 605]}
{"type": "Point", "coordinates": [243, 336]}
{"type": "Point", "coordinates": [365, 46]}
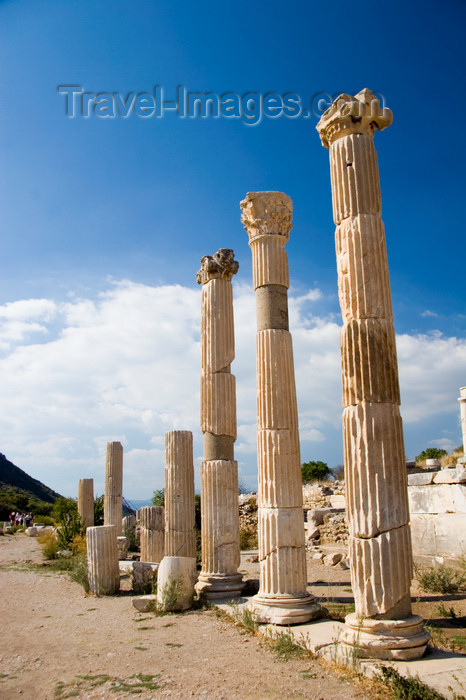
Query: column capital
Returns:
{"type": "Point", "coordinates": [347, 115]}
{"type": "Point", "coordinates": [267, 213]}
{"type": "Point", "coordinates": [220, 265]}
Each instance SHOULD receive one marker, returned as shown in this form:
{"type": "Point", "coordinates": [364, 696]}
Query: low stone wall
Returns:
{"type": "Point", "coordinates": [437, 503]}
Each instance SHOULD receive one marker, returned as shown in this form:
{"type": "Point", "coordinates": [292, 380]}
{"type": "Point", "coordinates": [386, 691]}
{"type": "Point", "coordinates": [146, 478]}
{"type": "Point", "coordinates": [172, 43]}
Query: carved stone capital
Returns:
{"type": "Point", "coordinates": [220, 265]}
{"type": "Point", "coordinates": [267, 213]}
{"type": "Point", "coordinates": [360, 114]}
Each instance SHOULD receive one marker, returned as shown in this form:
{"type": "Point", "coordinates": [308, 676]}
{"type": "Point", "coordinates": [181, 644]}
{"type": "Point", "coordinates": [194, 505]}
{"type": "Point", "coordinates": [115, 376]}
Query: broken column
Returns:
{"type": "Point", "coordinates": [376, 484]}
{"type": "Point", "coordinates": [113, 496]}
{"type": "Point", "coordinates": [152, 534]}
{"type": "Point", "coordinates": [282, 598]}
{"type": "Point", "coordinates": [219, 577]}
{"type": "Point", "coordinates": [462, 400]}
{"type": "Point", "coordinates": [86, 501]}
{"type": "Point", "coordinates": [180, 533]}
{"type": "Point", "coordinates": [102, 560]}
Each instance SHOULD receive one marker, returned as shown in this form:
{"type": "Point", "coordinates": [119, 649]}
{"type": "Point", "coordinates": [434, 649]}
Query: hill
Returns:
{"type": "Point", "coordinates": [18, 490]}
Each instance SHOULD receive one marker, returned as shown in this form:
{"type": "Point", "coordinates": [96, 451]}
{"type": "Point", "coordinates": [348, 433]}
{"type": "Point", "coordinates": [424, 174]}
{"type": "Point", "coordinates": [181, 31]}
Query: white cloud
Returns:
{"type": "Point", "coordinates": [125, 366]}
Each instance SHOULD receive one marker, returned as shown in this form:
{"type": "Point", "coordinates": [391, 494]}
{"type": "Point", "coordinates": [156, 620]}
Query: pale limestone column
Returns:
{"type": "Point", "coordinates": [113, 504]}
{"type": "Point", "coordinates": [86, 501]}
{"type": "Point", "coordinates": [282, 598]}
{"type": "Point", "coordinates": [462, 400]}
{"type": "Point", "coordinates": [102, 560]}
{"type": "Point", "coordinates": [152, 521]}
{"type": "Point", "coordinates": [376, 483]}
{"type": "Point", "coordinates": [180, 533]}
{"type": "Point", "coordinates": [219, 577]}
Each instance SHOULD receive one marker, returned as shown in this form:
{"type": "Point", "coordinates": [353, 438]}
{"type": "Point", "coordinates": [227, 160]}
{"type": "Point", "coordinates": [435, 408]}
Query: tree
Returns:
{"type": "Point", "coordinates": [431, 453]}
{"type": "Point", "coordinates": [158, 499]}
{"type": "Point", "coordinates": [314, 471]}
{"type": "Point", "coordinates": [99, 510]}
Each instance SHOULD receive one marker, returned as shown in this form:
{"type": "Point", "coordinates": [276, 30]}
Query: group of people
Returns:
{"type": "Point", "coordinates": [24, 519]}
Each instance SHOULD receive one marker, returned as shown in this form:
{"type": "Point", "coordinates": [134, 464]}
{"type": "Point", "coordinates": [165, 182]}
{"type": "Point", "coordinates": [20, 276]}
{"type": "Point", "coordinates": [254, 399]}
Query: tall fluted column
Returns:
{"type": "Point", "coordinates": [113, 496]}
{"type": "Point", "coordinates": [462, 400]}
{"type": "Point", "coordinates": [86, 501]}
{"type": "Point", "coordinates": [180, 533]}
{"type": "Point", "coordinates": [282, 598]}
{"type": "Point", "coordinates": [219, 577]}
{"type": "Point", "coordinates": [102, 560]}
{"type": "Point", "coordinates": [376, 483]}
{"type": "Point", "coordinates": [152, 520]}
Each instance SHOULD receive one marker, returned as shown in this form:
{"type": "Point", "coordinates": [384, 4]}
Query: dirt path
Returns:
{"type": "Point", "coordinates": [52, 633]}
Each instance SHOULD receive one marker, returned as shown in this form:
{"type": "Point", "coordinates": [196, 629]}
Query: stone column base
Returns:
{"type": "Point", "coordinates": [285, 610]}
{"type": "Point", "coordinates": [218, 586]}
{"type": "Point", "coordinates": [399, 640]}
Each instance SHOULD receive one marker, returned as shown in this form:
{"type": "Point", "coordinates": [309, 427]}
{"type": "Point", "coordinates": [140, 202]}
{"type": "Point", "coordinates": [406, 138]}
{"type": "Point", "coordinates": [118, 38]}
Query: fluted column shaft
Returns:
{"type": "Point", "coordinates": [86, 501]}
{"type": "Point", "coordinates": [113, 496]}
{"type": "Point", "coordinates": [102, 560]}
{"type": "Point", "coordinates": [374, 456]}
{"type": "Point", "coordinates": [219, 575]}
{"type": "Point", "coordinates": [180, 534]}
{"type": "Point", "coordinates": [152, 533]}
{"type": "Point", "coordinates": [282, 596]}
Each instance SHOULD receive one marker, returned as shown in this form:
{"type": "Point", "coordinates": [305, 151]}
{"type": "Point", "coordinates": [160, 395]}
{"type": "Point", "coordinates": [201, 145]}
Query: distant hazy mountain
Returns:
{"type": "Point", "coordinates": [12, 477]}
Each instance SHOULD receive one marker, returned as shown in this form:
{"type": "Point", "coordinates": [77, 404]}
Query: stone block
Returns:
{"type": "Point", "coordinates": [451, 476]}
{"type": "Point", "coordinates": [420, 479]}
{"type": "Point", "coordinates": [433, 463]}
{"type": "Point", "coordinates": [31, 531]}
{"type": "Point", "coordinates": [122, 545]}
{"type": "Point", "coordinates": [423, 534]}
{"type": "Point", "coordinates": [338, 501]}
{"type": "Point", "coordinates": [332, 559]}
{"type": "Point", "coordinates": [145, 603]}
{"type": "Point", "coordinates": [437, 498]}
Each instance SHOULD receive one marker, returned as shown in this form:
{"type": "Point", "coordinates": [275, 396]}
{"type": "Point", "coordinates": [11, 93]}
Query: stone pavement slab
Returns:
{"type": "Point", "coordinates": [443, 671]}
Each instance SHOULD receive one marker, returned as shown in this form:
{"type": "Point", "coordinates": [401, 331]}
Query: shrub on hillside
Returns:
{"type": "Point", "coordinates": [314, 471]}
{"type": "Point", "coordinates": [431, 453]}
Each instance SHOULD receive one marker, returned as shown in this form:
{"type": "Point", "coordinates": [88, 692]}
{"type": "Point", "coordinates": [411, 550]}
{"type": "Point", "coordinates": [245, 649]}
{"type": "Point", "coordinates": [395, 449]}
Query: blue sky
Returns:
{"type": "Point", "coordinates": [104, 221]}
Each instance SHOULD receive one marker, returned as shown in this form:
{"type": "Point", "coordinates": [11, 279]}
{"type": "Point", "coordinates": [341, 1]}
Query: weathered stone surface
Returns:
{"type": "Point", "coordinates": [376, 484]}
{"type": "Point", "coordinates": [433, 463]}
{"type": "Point", "coordinates": [332, 559]}
{"type": "Point", "coordinates": [450, 476]}
{"type": "Point", "coordinates": [437, 498]}
{"type": "Point", "coordinates": [143, 574]}
{"type": "Point", "coordinates": [122, 546]}
{"type": "Point", "coordinates": [219, 577]}
{"type": "Point", "coordinates": [86, 501]}
{"type": "Point", "coordinates": [152, 533]}
{"type": "Point", "coordinates": [175, 583]}
{"type": "Point", "coordinates": [31, 531]}
{"type": "Point", "coordinates": [180, 535]}
{"type": "Point", "coordinates": [102, 560]}
{"type": "Point", "coordinates": [282, 597]}
{"type": "Point", "coordinates": [113, 504]}
{"type": "Point", "coordinates": [420, 479]}
{"type": "Point", "coordinates": [462, 400]}
{"type": "Point", "coordinates": [401, 639]}
{"type": "Point", "coordinates": [145, 603]}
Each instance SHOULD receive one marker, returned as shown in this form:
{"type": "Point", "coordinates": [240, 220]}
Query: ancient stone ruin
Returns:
{"type": "Point", "coordinates": [102, 560]}
{"type": "Point", "coordinates": [282, 598]}
{"type": "Point", "coordinates": [152, 533]}
{"type": "Point", "coordinates": [86, 501]}
{"type": "Point", "coordinates": [219, 577]}
{"type": "Point", "coordinates": [113, 503]}
{"type": "Point", "coordinates": [376, 485]}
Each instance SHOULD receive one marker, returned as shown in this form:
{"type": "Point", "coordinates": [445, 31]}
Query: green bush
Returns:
{"type": "Point", "coordinates": [441, 579]}
{"type": "Point", "coordinates": [314, 471]}
{"type": "Point", "coordinates": [65, 512]}
{"type": "Point", "coordinates": [247, 539]}
{"type": "Point", "coordinates": [431, 453]}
